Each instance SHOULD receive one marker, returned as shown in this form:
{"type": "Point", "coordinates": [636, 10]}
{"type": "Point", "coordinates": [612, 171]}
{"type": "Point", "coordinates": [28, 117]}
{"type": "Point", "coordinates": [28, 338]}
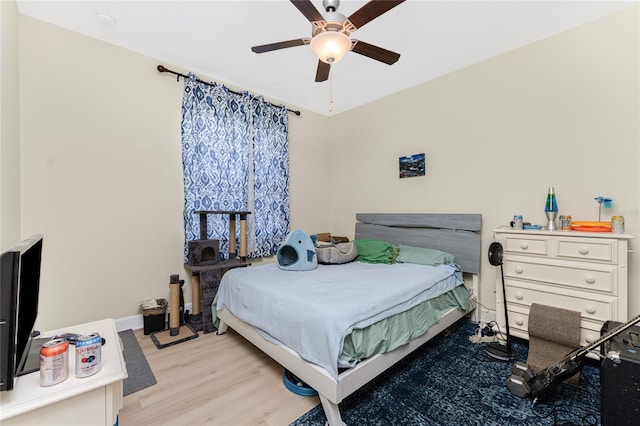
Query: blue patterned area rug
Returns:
{"type": "Point", "coordinates": [451, 381]}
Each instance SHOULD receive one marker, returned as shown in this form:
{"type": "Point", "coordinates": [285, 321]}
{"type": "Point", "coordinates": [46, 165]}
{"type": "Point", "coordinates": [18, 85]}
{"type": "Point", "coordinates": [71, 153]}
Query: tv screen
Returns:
{"type": "Point", "coordinates": [19, 292]}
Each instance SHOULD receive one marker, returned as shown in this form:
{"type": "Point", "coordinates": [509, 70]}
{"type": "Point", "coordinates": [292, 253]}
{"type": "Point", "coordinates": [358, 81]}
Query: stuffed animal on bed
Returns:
{"type": "Point", "coordinates": [297, 252]}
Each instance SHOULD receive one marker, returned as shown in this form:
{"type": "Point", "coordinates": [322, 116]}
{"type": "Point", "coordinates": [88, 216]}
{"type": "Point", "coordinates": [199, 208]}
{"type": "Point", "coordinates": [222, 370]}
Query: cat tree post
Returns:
{"type": "Point", "coordinates": [232, 236]}
{"type": "Point", "coordinates": [195, 294]}
{"type": "Point", "coordinates": [174, 304]}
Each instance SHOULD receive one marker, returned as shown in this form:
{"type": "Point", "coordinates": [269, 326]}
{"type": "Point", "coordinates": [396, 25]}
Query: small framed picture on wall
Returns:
{"type": "Point", "coordinates": [413, 165]}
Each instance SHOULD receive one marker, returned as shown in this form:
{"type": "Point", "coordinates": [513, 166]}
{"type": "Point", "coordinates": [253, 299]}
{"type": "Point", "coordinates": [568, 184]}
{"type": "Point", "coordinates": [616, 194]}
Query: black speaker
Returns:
{"type": "Point", "coordinates": [620, 377]}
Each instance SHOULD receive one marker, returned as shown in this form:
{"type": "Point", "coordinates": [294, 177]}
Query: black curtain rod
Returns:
{"type": "Point", "coordinates": [164, 69]}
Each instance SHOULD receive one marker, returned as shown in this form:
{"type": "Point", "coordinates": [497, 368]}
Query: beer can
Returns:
{"type": "Point", "coordinates": [54, 362]}
{"type": "Point", "coordinates": [617, 224]}
{"type": "Point", "coordinates": [88, 355]}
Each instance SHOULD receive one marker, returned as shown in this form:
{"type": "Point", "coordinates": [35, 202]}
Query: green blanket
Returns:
{"type": "Point", "coordinates": [371, 250]}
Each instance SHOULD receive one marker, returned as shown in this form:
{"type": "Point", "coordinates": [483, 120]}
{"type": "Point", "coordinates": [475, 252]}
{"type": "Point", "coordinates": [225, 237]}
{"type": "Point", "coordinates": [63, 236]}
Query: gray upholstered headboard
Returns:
{"type": "Point", "coordinates": [458, 234]}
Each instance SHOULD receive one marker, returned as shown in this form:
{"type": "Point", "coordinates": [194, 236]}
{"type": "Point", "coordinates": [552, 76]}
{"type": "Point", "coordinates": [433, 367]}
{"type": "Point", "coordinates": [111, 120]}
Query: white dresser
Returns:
{"type": "Point", "coordinates": [579, 271]}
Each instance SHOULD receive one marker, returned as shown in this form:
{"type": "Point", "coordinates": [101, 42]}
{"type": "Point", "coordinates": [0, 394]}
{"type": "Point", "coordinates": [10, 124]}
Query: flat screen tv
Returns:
{"type": "Point", "coordinates": [19, 291]}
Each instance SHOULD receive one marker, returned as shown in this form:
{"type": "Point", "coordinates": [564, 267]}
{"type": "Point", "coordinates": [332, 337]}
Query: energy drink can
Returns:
{"type": "Point", "coordinates": [88, 355]}
{"type": "Point", "coordinates": [617, 224]}
{"type": "Point", "coordinates": [54, 362]}
{"type": "Point", "coordinates": [517, 222]}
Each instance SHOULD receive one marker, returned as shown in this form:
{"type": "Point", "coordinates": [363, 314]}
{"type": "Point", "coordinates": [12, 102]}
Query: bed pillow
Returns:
{"type": "Point", "coordinates": [424, 256]}
{"type": "Point", "coordinates": [336, 254]}
{"type": "Point", "coordinates": [372, 250]}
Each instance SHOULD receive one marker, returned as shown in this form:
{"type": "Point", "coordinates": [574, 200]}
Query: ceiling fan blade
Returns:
{"type": "Point", "coordinates": [371, 11]}
{"type": "Point", "coordinates": [322, 74]}
{"type": "Point", "coordinates": [375, 52]}
{"type": "Point", "coordinates": [308, 10]}
{"type": "Point", "coordinates": [279, 45]}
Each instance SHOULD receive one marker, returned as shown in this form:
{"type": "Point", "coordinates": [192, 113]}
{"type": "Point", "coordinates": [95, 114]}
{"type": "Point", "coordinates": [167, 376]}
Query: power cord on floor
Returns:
{"type": "Point", "coordinates": [483, 334]}
{"type": "Point", "coordinates": [588, 419]}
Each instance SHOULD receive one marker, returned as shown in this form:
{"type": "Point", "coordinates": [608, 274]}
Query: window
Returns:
{"type": "Point", "coordinates": [235, 157]}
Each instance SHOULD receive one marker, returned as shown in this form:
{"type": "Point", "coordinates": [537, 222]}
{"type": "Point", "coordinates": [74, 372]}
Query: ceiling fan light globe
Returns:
{"type": "Point", "coordinates": [330, 46]}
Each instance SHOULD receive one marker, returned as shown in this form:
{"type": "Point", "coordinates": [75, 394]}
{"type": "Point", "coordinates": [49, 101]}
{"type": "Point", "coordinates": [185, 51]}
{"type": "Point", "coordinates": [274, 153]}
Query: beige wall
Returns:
{"type": "Point", "coordinates": [101, 168]}
{"type": "Point", "coordinates": [561, 112]}
{"type": "Point", "coordinates": [102, 173]}
{"type": "Point", "coordinates": [9, 127]}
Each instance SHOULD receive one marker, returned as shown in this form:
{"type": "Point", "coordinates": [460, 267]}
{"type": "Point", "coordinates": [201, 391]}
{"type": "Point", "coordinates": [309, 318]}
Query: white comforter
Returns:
{"type": "Point", "coordinates": [312, 311]}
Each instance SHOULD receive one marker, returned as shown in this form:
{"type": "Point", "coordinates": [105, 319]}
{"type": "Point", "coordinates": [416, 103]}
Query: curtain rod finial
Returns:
{"type": "Point", "coordinates": [161, 68]}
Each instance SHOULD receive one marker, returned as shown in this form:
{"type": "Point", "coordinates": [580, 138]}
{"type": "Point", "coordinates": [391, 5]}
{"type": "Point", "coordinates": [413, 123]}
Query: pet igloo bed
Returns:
{"type": "Point", "coordinates": [297, 252]}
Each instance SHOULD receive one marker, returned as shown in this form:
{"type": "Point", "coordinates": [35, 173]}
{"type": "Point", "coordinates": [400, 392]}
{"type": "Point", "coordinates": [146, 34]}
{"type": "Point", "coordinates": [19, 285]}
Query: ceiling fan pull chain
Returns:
{"type": "Point", "coordinates": [331, 93]}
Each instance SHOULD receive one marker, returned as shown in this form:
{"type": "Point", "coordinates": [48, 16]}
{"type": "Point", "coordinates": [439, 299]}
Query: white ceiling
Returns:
{"type": "Point", "coordinates": [213, 38]}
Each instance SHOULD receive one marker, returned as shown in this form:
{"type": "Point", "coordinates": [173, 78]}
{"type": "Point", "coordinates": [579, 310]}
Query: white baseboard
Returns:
{"type": "Point", "coordinates": [487, 315]}
{"type": "Point", "coordinates": [482, 313]}
{"type": "Point", "coordinates": [136, 322]}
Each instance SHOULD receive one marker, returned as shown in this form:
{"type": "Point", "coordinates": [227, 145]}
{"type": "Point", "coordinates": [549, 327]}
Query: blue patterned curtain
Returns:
{"type": "Point", "coordinates": [235, 157]}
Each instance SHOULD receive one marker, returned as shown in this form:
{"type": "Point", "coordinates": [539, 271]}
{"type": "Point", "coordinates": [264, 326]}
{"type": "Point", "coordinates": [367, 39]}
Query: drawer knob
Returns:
{"type": "Point", "coordinates": [589, 279]}
{"type": "Point", "coordinates": [590, 309]}
{"type": "Point", "coordinates": [519, 269]}
{"type": "Point", "coordinates": [519, 321]}
{"type": "Point", "coordinates": [583, 250]}
{"type": "Point", "coordinates": [524, 245]}
{"type": "Point", "coordinates": [519, 295]}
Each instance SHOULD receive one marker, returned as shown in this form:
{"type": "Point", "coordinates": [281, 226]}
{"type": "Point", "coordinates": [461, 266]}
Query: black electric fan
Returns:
{"type": "Point", "coordinates": [497, 350]}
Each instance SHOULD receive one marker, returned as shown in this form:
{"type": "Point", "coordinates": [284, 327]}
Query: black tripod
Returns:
{"type": "Point", "coordinates": [496, 350]}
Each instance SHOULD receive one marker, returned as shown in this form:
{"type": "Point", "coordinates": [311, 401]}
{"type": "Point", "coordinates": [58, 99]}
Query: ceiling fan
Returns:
{"type": "Point", "coordinates": [330, 34]}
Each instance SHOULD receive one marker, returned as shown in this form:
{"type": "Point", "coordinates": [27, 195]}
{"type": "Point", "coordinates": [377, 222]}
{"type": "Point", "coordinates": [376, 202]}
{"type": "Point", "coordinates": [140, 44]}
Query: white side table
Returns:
{"type": "Point", "coordinates": [93, 400]}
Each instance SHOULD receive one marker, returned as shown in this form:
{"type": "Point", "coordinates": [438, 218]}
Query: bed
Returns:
{"type": "Point", "coordinates": [457, 234]}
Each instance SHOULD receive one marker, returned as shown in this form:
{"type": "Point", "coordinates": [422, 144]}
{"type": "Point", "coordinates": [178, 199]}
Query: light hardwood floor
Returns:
{"type": "Point", "coordinates": [213, 380]}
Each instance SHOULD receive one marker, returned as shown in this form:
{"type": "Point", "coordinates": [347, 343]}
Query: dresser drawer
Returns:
{"type": "Point", "coordinates": [601, 310]}
{"type": "Point", "coordinates": [587, 249]}
{"type": "Point", "coordinates": [588, 277]}
{"type": "Point", "coordinates": [526, 244]}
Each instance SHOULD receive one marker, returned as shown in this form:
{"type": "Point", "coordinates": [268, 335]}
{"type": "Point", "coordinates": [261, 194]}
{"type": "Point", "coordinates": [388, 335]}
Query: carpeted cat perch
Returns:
{"type": "Point", "coordinates": [553, 334]}
{"type": "Point", "coordinates": [176, 333]}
